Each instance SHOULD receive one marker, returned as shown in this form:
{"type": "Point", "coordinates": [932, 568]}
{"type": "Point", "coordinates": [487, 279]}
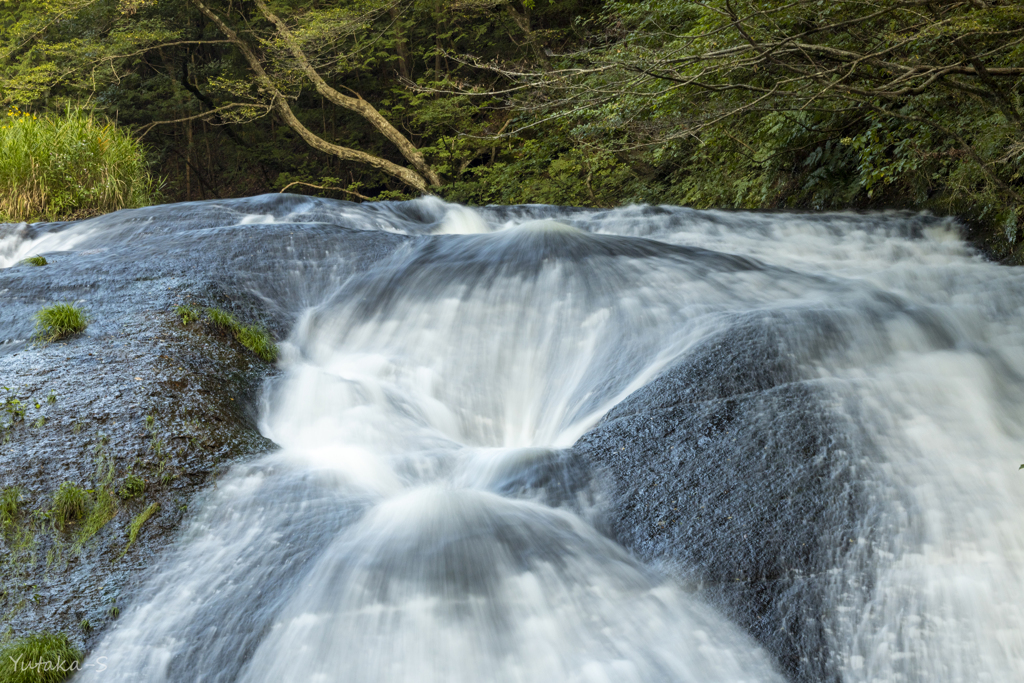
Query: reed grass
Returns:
{"type": "Point", "coordinates": [69, 166]}
{"type": "Point", "coordinates": [102, 510]}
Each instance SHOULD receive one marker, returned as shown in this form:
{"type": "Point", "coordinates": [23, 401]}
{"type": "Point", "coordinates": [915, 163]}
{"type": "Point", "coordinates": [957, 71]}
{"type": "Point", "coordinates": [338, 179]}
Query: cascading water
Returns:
{"type": "Point", "coordinates": [428, 519]}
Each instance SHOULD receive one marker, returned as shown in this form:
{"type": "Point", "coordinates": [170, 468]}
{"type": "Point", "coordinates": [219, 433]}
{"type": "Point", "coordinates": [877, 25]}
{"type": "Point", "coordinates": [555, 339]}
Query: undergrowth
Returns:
{"type": "Point", "coordinates": [59, 321]}
{"type": "Point", "coordinates": [69, 166]}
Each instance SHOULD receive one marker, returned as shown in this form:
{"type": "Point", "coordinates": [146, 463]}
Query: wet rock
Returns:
{"type": "Point", "coordinates": [139, 393]}
{"type": "Point", "coordinates": [736, 475]}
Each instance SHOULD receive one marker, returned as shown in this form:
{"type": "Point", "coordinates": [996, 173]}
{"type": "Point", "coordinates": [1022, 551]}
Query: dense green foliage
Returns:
{"type": "Point", "coordinates": [816, 105]}
{"type": "Point", "coordinates": [739, 103]}
{"type": "Point", "coordinates": [68, 165]}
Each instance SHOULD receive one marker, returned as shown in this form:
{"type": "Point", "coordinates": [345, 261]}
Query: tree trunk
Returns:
{"type": "Point", "coordinates": [358, 105]}
{"type": "Point", "coordinates": [280, 105]}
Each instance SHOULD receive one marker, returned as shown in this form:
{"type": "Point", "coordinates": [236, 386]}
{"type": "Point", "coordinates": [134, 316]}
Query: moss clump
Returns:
{"type": "Point", "coordinates": [252, 337]}
{"type": "Point", "coordinates": [34, 261]}
{"type": "Point", "coordinates": [69, 505]}
{"type": "Point", "coordinates": [136, 525]}
{"type": "Point", "coordinates": [39, 658]}
{"type": "Point", "coordinates": [10, 501]}
{"type": "Point", "coordinates": [59, 321]}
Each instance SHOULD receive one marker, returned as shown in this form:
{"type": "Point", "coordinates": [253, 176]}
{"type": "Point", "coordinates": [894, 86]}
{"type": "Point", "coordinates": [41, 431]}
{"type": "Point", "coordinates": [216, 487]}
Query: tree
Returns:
{"type": "Point", "coordinates": [752, 103]}
{"type": "Point", "coordinates": [420, 177]}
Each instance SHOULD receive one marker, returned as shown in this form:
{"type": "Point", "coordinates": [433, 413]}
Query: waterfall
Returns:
{"type": "Point", "coordinates": [431, 515]}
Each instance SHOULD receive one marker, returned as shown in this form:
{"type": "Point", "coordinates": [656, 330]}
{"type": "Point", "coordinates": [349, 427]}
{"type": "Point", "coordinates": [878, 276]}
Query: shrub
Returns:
{"type": "Point", "coordinates": [69, 166]}
{"type": "Point", "coordinates": [34, 261]}
{"type": "Point", "coordinates": [69, 505]}
{"type": "Point", "coordinates": [39, 658]}
{"type": "Point", "coordinates": [59, 321]}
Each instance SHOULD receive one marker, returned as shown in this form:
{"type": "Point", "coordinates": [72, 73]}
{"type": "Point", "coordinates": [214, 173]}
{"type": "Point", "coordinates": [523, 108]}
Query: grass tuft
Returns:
{"type": "Point", "coordinates": [69, 166]}
{"type": "Point", "coordinates": [133, 487]}
{"type": "Point", "coordinates": [39, 658]}
{"type": "Point", "coordinates": [187, 314]}
{"type": "Point", "coordinates": [59, 321]}
{"type": "Point", "coordinates": [140, 519]}
{"type": "Point", "coordinates": [10, 502]}
{"type": "Point", "coordinates": [102, 510]}
{"type": "Point", "coordinates": [221, 318]}
{"type": "Point", "coordinates": [258, 341]}
{"type": "Point", "coordinates": [69, 505]}
{"type": "Point", "coordinates": [252, 337]}
{"type": "Point", "coordinates": [34, 261]}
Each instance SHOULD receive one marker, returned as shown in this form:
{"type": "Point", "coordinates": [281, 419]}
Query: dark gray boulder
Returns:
{"type": "Point", "coordinates": [739, 477]}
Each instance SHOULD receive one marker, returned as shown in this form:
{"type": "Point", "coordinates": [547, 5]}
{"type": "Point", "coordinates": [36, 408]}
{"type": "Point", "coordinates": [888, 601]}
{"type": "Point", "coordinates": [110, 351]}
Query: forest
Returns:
{"type": "Point", "coordinates": [733, 104]}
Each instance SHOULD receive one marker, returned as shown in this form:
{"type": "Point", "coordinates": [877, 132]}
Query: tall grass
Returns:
{"type": "Point", "coordinates": [39, 658]}
{"type": "Point", "coordinates": [69, 166]}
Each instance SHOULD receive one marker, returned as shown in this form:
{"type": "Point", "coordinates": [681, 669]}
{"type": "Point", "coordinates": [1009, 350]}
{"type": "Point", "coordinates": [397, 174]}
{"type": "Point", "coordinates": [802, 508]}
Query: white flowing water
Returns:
{"type": "Point", "coordinates": [381, 543]}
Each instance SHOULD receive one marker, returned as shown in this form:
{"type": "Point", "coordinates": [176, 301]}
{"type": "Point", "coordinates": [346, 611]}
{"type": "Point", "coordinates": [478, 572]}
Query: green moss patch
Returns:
{"type": "Point", "coordinates": [34, 261]}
